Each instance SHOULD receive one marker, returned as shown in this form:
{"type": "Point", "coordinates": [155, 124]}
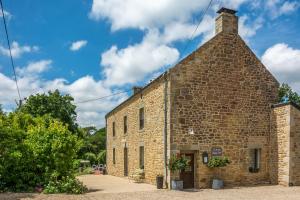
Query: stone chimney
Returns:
{"type": "Point", "coordinates": [227, 21]}
{"type": "Point", "coordinates": [136, 89]}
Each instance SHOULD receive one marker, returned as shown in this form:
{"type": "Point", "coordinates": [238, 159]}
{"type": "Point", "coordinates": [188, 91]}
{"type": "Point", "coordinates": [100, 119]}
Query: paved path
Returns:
{"type": "Point", "coordinates": [112, 184]}
{"type": "Point", "coordinates": [114, 188]}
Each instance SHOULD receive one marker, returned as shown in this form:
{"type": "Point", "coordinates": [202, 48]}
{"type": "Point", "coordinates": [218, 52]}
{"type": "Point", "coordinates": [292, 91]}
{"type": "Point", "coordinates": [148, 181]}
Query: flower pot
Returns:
{"type": "Point", "coordinates": [177, 185]}
{"type": "Point", "coordinates": [217, 184]}
{"type": "Point", "coordinates": [159, 182]}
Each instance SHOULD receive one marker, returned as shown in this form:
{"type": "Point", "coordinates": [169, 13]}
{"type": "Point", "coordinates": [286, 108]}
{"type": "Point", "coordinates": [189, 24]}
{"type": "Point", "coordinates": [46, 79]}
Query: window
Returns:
{"type": "Point", "coordinates": [142, 119]}
{"type": "Point", "coordinates": [125, 124]}
{"type": "Point", "coordinates": [114, 156]}
{"type": "Point", "coordinates": [255, 155]}
{"type": "Point", "coordinates": [114, 129]}
{"type": "Point", "coordinates": [141, 157]}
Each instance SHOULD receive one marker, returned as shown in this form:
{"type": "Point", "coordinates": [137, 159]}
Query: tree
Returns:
{"type": "Point", "coordinates": [55, 105]}
{"type": "Point", "coordinates": [286, 93]}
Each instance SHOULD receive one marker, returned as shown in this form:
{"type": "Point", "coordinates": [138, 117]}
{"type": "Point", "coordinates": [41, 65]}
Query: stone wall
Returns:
{"type": "Point", "coordinates": [224, 93]}
{"type": "Point", "coordinates": [151, 137]}
{"type": "Point", "coordinates": [285, 145]}
{"type": "Point", "coordinates": [295, 146]}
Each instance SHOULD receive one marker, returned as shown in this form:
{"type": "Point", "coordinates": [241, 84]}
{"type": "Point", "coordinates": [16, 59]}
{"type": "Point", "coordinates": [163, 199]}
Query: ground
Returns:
{"type": "Point", "coordinates": [110, 188]}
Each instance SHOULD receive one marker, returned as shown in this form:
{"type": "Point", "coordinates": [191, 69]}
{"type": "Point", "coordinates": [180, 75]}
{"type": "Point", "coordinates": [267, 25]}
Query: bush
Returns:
{"type": "Point", "coordinates": [68, 185]}
{"type": "Point", "coordinates": [91, 157]}
{"type": "Point", "coordinates": [101, 157]}
{"type": "Point", "coordinates": [218, 162]}
{"type": "Point", "coordinates": [34, 151]}
{"type": "Point", "coordinates": [177, 163]}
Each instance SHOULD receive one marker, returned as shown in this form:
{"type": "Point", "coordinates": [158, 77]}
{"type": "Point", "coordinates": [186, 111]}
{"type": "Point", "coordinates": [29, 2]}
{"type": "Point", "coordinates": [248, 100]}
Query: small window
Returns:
{"type": "Point", "coordinates": [114, 129]}
{"type": "Point", "coordinates": [114, 156]}
{"type": "Point", "coordinates": [255, 156]}
{"type": "Point", "coordinates": [142, 119]}
{"type": "Point", "coordinates": [141, 157]}
{"type": "Point", "coordinates": [125, 124]}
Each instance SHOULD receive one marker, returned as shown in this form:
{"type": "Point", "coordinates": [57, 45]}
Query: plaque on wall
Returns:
{"type": "Point", "coordinates": [216, 151]}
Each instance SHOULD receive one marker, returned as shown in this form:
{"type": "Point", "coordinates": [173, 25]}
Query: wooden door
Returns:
{"type": "Point", "coordinates": [125, 161]}
{"type": "Point", "coordinates": [187, 175]}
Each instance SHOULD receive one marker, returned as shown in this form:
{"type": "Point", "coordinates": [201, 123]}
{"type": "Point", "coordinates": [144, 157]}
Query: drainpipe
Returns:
{"type": "Point", "coordinates": [165, 130]}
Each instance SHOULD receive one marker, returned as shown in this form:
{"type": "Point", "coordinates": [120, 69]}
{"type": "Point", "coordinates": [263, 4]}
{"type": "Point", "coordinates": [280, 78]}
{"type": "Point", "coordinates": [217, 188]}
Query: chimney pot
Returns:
{"type": "Point", "coordinates": [136, 89]}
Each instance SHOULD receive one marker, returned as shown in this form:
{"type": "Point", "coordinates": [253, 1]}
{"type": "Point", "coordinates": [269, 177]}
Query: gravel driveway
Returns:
{"type": "Point", "coordinates": [108, 188]}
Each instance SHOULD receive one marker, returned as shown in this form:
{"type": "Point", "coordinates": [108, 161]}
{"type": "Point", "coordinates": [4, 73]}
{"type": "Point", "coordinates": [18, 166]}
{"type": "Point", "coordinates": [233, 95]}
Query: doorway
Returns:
{"type": "Point", "coordinates": [187, 175]}
{"type": "Point", "coordinates": [125, 161]}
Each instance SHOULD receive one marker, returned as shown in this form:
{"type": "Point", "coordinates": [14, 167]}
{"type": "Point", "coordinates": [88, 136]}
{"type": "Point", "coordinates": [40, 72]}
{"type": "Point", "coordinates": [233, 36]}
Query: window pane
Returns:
{"type": "Point", "coordinates": [125, 124]}
{"type": "Point", "coordinates": [114, 129]}
{"type": "Point", "coordinates": [141, 116]}
{"type": "Point", "coordinates": [141, 157]}
{"type": "Point", "coordinates": [114, 156]}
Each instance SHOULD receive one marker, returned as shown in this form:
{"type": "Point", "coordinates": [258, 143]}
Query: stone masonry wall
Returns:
{"type": "Point", "coordinates": [151, 137]}
{"type": "Point", "coordinates": [295, 146]}
{"type": "Point", "coordinates": [280, 146]}
{"type": "Point", "coordinates": [225, 94]}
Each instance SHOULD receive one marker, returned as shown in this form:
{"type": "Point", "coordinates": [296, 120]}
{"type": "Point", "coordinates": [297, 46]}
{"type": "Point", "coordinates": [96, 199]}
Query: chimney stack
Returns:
{"type": "Point", "coordinates": [227, 21]}
{"type": "Point", "coordinates": [136, 89]}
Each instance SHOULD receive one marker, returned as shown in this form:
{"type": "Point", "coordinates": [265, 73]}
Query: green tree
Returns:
{"type": "Point", "coordinates": [286, 93]}
{"type": "Point", "coordinates": [54, 104]}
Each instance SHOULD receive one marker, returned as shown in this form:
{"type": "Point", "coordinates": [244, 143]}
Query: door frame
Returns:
{"type": "Point", "coordinates": [193, 153]}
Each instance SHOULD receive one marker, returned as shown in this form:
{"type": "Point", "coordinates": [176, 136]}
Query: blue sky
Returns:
{"type": "Point", "coordinates": [96, 48]}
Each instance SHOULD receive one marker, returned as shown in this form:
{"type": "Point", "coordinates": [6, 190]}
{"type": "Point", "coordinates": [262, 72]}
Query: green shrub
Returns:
{"type": "Point", "coordinates": [218, 162]}
{"type": "Point", "coordinates": [101, 157]}
{"type": "Point", "coordinates": [177, 163]}
{"type": "Point", "coordinates": [68, 185]}
{"type": "Point", "coordinates": [91, 157]}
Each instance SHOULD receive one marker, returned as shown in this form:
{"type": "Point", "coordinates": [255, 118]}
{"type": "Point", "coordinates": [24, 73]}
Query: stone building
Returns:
{"type": "Point", "coordinates": [221, 101]}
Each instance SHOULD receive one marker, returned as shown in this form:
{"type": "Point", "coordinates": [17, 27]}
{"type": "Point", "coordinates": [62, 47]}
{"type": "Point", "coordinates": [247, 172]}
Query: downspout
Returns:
{"type": "Point", "coordinates": [165, 139]}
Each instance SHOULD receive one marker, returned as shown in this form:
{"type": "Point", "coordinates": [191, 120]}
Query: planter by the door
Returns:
{"type": "Point", "coordinates": [159, 182]}
{"type": "Point", "coordinates": [217, 184]}
{"type": "Point", "coordinates": [177, 185]}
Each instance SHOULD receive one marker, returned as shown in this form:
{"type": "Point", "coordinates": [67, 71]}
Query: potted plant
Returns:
{"type": "Point", "coordinates": [216, 163]}
{"type": "Point", "coordinates": [176, 165]}
{"type": "Point", "coordinates": [159, 181]}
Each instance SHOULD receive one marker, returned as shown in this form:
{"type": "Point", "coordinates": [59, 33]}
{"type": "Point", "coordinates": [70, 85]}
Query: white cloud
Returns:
{"type": "Point", "coordinates": [78, 45]}
{"type": "Point", "coordinates": [133, 63]}
{"type": "Point", "coordinates": [277, 8]}
{"type": "Point", "coordinates": [7, 15]}
{"type": "Point", "coordinates": [17, 50]}
{"type": "Point", "coordinates": [284, 62]}
{"type": "Point", "coordinates": [34, 68]}
{"type": "Point", "coordinates": [91, 113]}
{"type": "Point", "coordinates": [246, 29]}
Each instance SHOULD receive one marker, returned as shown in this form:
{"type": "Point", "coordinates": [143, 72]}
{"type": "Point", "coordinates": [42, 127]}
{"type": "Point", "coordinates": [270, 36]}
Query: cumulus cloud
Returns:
{"type": "Point", "coordinates": [277, 8]}
{"type": "Point", "coordinates": [78, 45]}
{"type": "Point", "coordinates": [34, 68]}
{"type": "Point", "coordinates": [284, 62]}
{"type": "Point", "coordinates": [90, 113]}
{"type": "Point", "coordinates": [17, 50]}
{"type": "Point", "coordinates": [133, 63]}
{"type": "Point", "coordinates": [248, 29]}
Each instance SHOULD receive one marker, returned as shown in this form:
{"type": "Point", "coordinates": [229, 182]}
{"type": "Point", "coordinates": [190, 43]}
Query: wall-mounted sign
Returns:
{"type": "Point", "coordinates": [216, 151]}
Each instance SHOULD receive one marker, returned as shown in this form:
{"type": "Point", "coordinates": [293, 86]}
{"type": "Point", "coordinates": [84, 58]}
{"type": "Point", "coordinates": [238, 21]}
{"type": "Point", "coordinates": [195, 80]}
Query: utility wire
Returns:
{"type": "Point", "coordinates": [99, 98]}
{"type": "Point", "coordinates": [11, 58]}
{"type": "Point", "coordinates": [200, 20]}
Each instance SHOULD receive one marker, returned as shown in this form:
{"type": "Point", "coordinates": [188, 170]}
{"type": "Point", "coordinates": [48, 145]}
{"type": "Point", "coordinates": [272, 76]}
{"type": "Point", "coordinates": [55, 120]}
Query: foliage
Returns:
{"type": "Point", "coordinates": [66, 185]}
{"type": "Point", "coordinates": [94, 140]}
{"type": "Point", "coordinates": [177, 163]}
{"type": "Point", "coordinates": [35, 151]}
{"type": "Point", "coordinates": [101, 157]}
{"type": "Point", "coordinates": [53, 104]}
{"type": "Point", "coordinates": [216, 162]}
{"type": "Point", "coordinates": [91, 157]}
{"type": "Point", "coordinates": [286, 93]}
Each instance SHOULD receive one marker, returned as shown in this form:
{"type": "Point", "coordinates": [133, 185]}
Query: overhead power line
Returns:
{"type": "Point", "coordinates": [99, 98]}
{"type": "Point", "coordinates": [200, 20]}
{"type": "Point", "coordinates": [11, 58]}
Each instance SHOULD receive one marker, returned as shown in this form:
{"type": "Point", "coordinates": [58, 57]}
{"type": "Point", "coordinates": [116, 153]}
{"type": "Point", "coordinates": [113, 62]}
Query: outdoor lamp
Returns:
{"type": "Point", "coordinates": [205, 157]}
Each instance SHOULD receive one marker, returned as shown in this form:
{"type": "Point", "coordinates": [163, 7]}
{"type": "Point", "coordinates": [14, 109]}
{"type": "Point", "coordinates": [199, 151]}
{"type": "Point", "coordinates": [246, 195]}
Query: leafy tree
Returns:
{"type": "Point", "coordinates": [91, 157]}
{"type": "Point", "coordinates": [55, 105]}
{"type": "Point", "coordinates": [101, 157]}
{"type": "Point", "coordinates": [286, 93]}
